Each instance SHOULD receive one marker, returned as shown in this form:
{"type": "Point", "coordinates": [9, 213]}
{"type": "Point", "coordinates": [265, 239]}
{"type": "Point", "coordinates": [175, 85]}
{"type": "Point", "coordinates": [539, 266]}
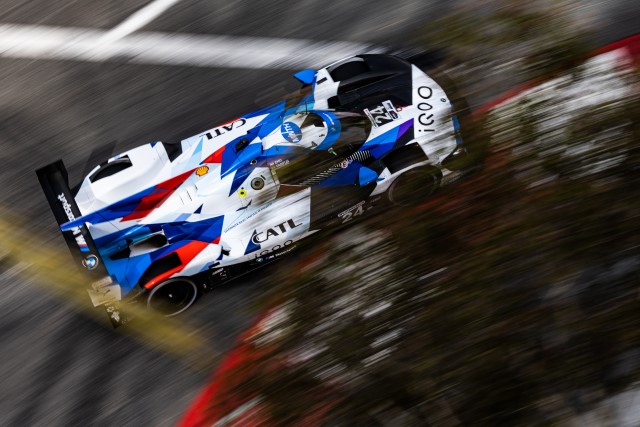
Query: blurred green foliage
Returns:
{"type": "Point", "coordinates": [492, 45]}
{"type": "Point", "coordinates": [510, 298]}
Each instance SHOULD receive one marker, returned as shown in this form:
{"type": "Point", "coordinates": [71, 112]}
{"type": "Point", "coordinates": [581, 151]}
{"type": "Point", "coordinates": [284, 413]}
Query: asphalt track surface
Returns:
{"type": "Point", "coordinates": [60, 366]}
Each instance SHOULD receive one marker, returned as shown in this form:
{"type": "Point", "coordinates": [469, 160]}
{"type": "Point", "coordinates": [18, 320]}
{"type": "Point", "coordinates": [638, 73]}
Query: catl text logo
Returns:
{"type": "Point", "coordinates": [263, 236]}
{"type": "Point", "coordinates": [225, 128]}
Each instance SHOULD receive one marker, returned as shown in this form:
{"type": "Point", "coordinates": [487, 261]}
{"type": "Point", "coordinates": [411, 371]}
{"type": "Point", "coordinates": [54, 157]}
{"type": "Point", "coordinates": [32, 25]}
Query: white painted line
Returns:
{"type": "Point", "coordinates": [138, 20]}
{"type": "Point", "coordinates": [81, 44]}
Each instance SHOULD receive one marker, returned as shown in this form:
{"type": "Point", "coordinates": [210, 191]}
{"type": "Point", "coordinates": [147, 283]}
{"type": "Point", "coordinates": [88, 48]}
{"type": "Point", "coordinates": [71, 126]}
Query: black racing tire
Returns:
{"type": "Point", "coordinates": [414, 186]}
{"type": "Point", "coordinates": [173, 296]}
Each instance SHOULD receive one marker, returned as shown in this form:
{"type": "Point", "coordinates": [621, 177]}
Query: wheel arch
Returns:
{"type": "Point", "coordinates": [160, 270]}
{"type": "Point", "coordinates": [404, 157]}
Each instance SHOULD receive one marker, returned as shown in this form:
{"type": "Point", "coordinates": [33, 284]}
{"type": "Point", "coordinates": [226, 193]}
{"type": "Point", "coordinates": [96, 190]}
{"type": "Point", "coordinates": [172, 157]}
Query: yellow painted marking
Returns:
{"type": "Point", "coordinates": [55, 270]}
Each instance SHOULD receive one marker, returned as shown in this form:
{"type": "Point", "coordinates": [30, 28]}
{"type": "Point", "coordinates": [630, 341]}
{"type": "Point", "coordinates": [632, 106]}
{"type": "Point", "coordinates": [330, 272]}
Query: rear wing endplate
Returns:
{"type": "Point", "coordinates": [102, 289]}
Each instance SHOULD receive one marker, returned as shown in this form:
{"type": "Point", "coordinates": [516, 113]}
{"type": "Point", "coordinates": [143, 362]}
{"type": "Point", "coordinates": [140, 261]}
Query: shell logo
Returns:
{"type": "Point", "coordinates": [202, 170]}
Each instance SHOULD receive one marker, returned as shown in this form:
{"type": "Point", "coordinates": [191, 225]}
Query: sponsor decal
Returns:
{"type": "Point", "coordinates": [225, 128]}
{"type": "Point", "coordinates": [279, 163]}
{"type": "Point", "coordinates": [66, 207]}
{"type": "Point", "coordinates": [105, 295]}
{"type": "Point", "coordinates": [114, 314]}
{"type": "Point", "coordinates": [105, 281]}
{"type": "Point", "coordinates": [275, 255]}
{"type": "Point", "coordinates": [221, 273]}
{"type": "Point", "coordinates": [382, 114]}
{"type": "Point", "coordinates": [263, 236]}
{"type": "Point", "coordinates": [425, 118]}
{"type": "Point", "coordinates": [265, 252]}
{"type": "Point", "coordinates": [247, 217]}
{"type": "Point", "coordinates": [452, 178]}
{"type": "Point", "coordinates": [352, 212]}
{"type": "Point", "coordinates": [90, 262]}
{"type": "Point", "coordinates": [391, 110]}
{"type": "Point", "coordinates": [202, 170]}
{"type": "Point", "coordinates": [291, 132]}
{"type": "Point", "coordinates": [77, 232]}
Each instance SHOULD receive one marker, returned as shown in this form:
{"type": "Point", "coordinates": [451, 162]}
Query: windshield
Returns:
{"type": "Point", "coordinates": [319, 161]}
{"type": "Point", "coordinates": [354, 131]}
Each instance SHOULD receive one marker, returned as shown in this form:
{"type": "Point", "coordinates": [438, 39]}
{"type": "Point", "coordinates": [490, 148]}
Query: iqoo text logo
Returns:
{"type": "Point", "coordinates": [263, 236]}
{"type": "Point", "coordinates": [425, 105]}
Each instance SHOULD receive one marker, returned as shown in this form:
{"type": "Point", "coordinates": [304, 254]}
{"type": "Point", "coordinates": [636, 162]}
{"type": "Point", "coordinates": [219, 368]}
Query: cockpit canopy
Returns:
{"type": "Point", "coordinates": [316, 159]}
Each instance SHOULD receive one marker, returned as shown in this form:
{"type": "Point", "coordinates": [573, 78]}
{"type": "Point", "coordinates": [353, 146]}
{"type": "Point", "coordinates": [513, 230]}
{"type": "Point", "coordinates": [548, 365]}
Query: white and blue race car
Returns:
{"type": "Point", "coordinates": [163, 222]}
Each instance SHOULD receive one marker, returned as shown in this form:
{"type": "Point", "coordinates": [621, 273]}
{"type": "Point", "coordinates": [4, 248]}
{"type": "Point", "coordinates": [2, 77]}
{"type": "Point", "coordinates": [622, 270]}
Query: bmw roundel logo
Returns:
{"type": "Point", "coordinates": [90, 262]}
{"type": "Point", "coordinates": [291, 132]}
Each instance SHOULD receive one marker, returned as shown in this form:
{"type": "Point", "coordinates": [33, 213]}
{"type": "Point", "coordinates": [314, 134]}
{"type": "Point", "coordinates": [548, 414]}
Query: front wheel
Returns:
{"type": "Point", "coordinates": [172, 297]}
{"type": "Point", "coordinates": [414, 186]}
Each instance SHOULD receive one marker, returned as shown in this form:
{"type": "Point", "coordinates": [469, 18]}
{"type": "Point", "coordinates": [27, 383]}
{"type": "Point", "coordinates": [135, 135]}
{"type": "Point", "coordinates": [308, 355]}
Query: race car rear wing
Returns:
{"type": "Point", "coordinates": [55, 184]}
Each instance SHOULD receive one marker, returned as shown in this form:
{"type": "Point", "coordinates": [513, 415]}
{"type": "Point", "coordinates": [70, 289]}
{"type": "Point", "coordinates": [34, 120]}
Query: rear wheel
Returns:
{"type": "Point", "coordinates": [172, 297]}
{"type": "Point", "coordinates": [414, 186]}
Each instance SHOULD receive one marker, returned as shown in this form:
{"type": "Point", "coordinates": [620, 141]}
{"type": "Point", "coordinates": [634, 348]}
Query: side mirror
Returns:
{"type": "Point", "coordinates": [241, 145]}
{"type": "Point", "coordinates": [305, 76]}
